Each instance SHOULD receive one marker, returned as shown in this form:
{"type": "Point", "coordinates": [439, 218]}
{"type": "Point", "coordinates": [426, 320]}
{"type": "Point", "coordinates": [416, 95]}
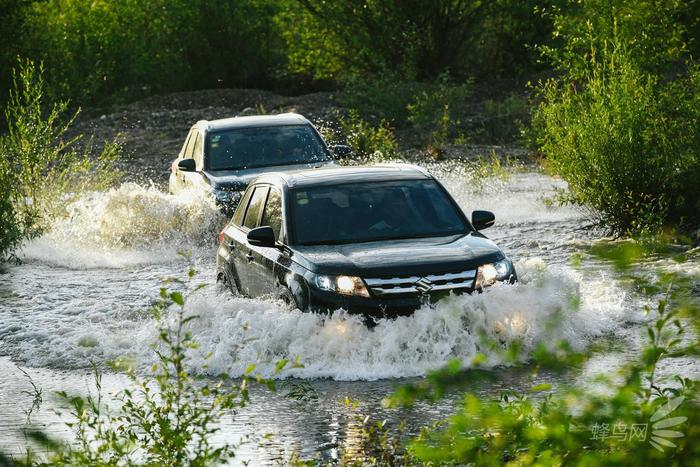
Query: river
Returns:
{"type": "Point", "coordinates": [82, 291]}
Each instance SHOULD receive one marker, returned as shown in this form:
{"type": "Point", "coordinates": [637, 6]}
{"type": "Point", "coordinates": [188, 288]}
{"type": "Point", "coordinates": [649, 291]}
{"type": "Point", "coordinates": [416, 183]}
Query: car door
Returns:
{"type": "Point", "coordinates": [242, 255]}
{"type": "Point", "coordinates": [265, 259]}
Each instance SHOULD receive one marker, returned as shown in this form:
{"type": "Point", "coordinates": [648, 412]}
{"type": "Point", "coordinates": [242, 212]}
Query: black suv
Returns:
{"type": "Point", "coordinates": [221, 157]}
{"type": "Point", "coordinates": [378, 240]}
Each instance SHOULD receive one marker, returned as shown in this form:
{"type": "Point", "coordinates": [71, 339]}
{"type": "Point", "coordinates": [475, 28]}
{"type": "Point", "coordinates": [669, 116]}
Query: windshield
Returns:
{"type": "Point", "coordinates": [247, 148]}
{"type": "Point", "coordinates": [364, 212]}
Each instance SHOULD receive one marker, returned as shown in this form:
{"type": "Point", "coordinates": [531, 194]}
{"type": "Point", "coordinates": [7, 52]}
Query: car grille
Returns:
{"type": "Point", "coordinates": [421, 284]}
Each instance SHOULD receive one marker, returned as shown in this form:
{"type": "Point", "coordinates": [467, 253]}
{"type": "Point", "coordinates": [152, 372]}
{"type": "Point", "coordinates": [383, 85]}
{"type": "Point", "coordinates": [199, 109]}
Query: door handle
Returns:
{"type": "Point", "coordinates": [249, 256]}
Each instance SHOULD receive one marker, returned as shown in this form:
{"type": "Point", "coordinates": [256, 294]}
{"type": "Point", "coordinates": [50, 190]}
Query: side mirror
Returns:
{"type": "Point", "coordinates": [482, 219]}
{"type": "Point", "coordinates": [187, 165]}
{"type": "Point", "coordinates": [341, 150]}
{"type": "Point", "coordinates": [262, 236]}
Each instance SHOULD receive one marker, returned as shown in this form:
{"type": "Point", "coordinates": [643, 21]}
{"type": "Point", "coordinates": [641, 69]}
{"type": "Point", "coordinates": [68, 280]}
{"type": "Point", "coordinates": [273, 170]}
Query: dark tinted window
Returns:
{"type": "Point", "coordinates": [240, 210]}
{"type": "Point", "coordinates": [257, 201]}
{"type": "Point", "coordinates": [245, 148]}
{"type": "Point", "coordinates": [360, 212]}
{"type": "Point", "coordinates": [272, 215]}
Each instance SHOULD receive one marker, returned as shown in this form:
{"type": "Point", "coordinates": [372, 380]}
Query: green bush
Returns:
{"type": "Point", "coordinates": [384, 97]}
{"type": "Point", "coordinates": [368, 141]}
{"type": "Point", "coordinates": [41, 170]}
{"type": "Point", "coordinates": [626, 143]}
{"type": "Point", "coordinates": [504, 118]}
{"type": "Point", "coordinates": [622, 125]}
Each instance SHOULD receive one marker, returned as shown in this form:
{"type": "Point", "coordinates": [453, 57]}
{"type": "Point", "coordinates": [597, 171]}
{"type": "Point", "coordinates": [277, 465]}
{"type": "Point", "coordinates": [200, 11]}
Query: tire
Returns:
{"type": "Point", "coordinates": [228, 282]}
{"type": "Point", "coordinates": [288, 299]}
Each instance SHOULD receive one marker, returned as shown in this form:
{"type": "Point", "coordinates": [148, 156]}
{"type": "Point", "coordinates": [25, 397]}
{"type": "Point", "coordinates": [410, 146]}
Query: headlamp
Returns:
{"type": "Point", "coordinates": [344, 285]}
{"type": "Point", "coordinates": [488, 274]}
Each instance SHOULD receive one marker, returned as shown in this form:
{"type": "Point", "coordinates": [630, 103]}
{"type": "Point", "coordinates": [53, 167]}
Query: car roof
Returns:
{"type": "Point", "coordinates": [252, 122]}
{"type": "Point", "coordinates": [329, 176]}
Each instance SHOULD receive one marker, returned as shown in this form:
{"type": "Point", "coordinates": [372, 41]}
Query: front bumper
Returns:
{"type": "Point", "coordinates": [375, 307]}
{"type": "Point", "coordinates": [400, 298]}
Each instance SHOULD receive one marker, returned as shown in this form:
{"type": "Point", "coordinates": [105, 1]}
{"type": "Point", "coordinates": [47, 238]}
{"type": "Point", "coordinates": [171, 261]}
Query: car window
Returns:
{"type": "Point", "coordinates": [197, 153]}
{"type": "Point", "coordinates": [257, 201]}
{"type": "Point", "coordinates": [240, 210]}
{"type": "Point", "coordinates": [272, 215]}
{"type": "Point", "coordinates": [247, 148]}
{"type": "Point", "coordinates": [189, 149]}
{"type": "Point", "coordinates": [364, 212]}
{"type": "Point", "coordinates": [186, 146]}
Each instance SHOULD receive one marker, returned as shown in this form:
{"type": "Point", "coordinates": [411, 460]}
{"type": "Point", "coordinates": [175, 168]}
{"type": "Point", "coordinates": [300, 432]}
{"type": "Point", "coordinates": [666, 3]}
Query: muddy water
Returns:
{"type": "Point", "coordinates": [81, 295]}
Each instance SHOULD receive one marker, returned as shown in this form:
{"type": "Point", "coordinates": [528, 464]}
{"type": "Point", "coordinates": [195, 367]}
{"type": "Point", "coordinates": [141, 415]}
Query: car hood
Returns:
{"type": "Point", "coordinates": [239, 179]}
{"type": "Point", "coordinates": [400, 257]}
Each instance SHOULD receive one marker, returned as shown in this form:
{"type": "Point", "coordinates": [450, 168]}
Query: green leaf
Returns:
{"type": "Point", "coordinates": [541, 387]}
{"type": "Point", "coordinates": [177, 298]}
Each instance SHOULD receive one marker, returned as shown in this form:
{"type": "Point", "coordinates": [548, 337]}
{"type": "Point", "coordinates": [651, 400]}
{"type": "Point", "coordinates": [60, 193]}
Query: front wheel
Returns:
{"type": "Point", "coordinates": [288, 299]}
{"type": "Point", "coordinates": [227, 281]}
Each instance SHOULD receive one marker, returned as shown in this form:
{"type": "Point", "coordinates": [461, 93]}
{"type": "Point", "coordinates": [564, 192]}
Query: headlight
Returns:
{"type": "Point", "coordinates": [344, 285]}
{"type": "Point", "coordinates": [490, 273]}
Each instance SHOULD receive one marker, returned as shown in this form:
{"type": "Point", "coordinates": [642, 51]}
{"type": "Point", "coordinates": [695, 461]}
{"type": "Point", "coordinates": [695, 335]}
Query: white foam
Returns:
{"type": "Point", "coordinates": [546, 307]}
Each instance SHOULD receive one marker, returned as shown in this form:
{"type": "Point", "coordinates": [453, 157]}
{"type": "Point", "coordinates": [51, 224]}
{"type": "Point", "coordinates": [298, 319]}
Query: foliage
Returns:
{"type": "Point", "coordinates": [41, 168]}
{"type": "Point", "coordinates": [386, 96]}
{"type": "Point", "coordinates": [504, 118]}
{"type": "Point", "coordinates": [626, 144]}
{"type": "Point", "coordinates": [438, 108]}
{"type": "Point", "coordinates": [618, 131]}
{"type": "Point", "coordinates": [105, 50]}
{"type": "Point", "coordinates": [462, 38]}
{"type": "Point", "coordinates": [366, 140]}
{"type": "Point", "coordinates": [592, 31]}
{"type": "Point", "coordinates": [108, 51]}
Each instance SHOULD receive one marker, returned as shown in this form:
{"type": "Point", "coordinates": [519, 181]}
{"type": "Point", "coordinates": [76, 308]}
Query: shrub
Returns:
{"type": "Point", "coordinates": [366, 140]}
{"type": "Point", "coordinates": [622, 125]}
{"type": "Point", "coordinates": [385, 97]}
{"type": "Point", "coordinates": [41, 170]}
{"type": "Point", "coordinates": [504, 118]}
{"type": "Point", "coordinates": [110, 51]}
{"type": "Point", "coordinates": [626, 143]}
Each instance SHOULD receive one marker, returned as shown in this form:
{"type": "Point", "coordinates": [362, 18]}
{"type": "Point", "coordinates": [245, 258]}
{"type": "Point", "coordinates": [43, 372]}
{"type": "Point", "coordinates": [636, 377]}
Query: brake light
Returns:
{"type": "Point", "coordinates": [221, 236]}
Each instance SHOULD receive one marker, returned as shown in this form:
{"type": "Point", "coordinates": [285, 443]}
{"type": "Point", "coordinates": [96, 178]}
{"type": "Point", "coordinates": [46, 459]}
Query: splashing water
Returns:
{"type": "Point", "coordinates": [84, 292]}
{"type": "Point", "coordinates": [128, 225]}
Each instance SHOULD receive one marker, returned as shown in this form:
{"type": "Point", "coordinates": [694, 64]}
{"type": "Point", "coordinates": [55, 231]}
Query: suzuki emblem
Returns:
{"type": "Point", "coordinates": [423, 285]}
